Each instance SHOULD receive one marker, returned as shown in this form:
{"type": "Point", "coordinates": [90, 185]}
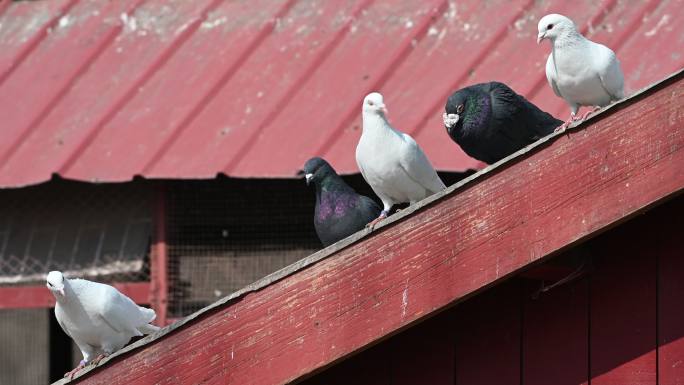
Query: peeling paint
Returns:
{"type": "Point", "coordinates": [662, 22]}
{"type": "Point", "coordinates": [65, 21]}
{"type": "Point", "coordinates": [210, 24]}
{"type": "Point", "coordinates": [404, 300]}
{"type": "Point", "coordinates": [129, 23]}
{"type": "Point", "coordinates": [17, 30]}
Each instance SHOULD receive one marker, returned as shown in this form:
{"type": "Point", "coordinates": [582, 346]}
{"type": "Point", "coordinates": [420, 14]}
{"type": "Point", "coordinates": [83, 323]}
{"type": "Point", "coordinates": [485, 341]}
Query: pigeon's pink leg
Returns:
{"type": "Point", "coordinates": [73, 372]}
{"type": "Point", "coordinates": [586, 114]}
{"type": "Point", "coordinates": [375, 221]}
{"type": "Point", "coordinates": [565, 125]}
{"type": "Point", "coordinates": [98, 359]}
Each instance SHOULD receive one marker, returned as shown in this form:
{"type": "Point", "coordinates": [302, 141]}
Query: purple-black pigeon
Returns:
{"type": "Point", "coordinates": [490, 121]}
{"type": "Point", "coordinates": [340, 211]}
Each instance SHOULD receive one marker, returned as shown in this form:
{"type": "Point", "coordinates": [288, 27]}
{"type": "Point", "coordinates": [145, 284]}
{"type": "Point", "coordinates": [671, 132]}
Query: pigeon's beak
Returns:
{"type": "Point", "coordinates": [450, 120]}
{"type": "Point", "coordinates": [383, 108]}
{"type": "Point", "coordinates": [540, 37]}
{"type": "Point", "coordinates": [61, 292]}
{"type": "Point", "coordinates": [308, 178]}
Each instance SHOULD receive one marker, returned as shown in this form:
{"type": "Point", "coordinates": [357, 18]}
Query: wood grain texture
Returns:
{"type": "Point", "coordinates": [371, 367]}
{"type": "Point", "coordinates": [488, 337]}
{"type": "Point", "coordinates": [623, 307]}
{"type": "Point", "coordinates": [425, 354]}
{"type": "Point", "coordinates": [463, 241]}
{"type": "Point", "coordinates": [420, 355]}
{"type": "Point", "coordinates": [556, 335]}
{"type": "Point", "coordinates": [670, 294]}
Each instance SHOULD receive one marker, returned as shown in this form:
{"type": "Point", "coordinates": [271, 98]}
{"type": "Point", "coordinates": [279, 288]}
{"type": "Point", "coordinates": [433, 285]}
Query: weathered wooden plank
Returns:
{"type": "Point", "coordinates": [670, 294]}
{"type": "Point", "coordinates": [430, 256]}
{"type": "Point", "coordinates": [623, 316]}
{"type": "Point", "coordinates": [488, 337]}
{"type": "Point", "coordinates": [556, 335]}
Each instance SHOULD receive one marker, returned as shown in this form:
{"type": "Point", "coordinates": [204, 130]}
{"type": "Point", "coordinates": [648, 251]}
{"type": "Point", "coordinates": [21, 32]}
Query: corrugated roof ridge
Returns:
{"type": "Point", "coordinates": [295, 87]}
{"type": "Point", "coordinates": [36, 39]}
{"type": "Point", "coordinates": [139, 82]}
{"type": "Point", "coordinates": [256, 42]}
{"type": "Point", "coordinates": [420, 32]}
{"type": "Point", "coordinates": [496, 38]}
{"type": "Point", "coordinates": [80, 70]}
{"type": "Point", "coordinates": [4, 7]}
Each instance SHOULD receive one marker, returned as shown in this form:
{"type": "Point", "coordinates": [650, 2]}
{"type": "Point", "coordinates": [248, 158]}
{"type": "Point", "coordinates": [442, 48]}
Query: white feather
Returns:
{"type": "Point", "coordinates": [580, 71]}
{"type": "Point", "coordinates": [393, 164]}
{"type": "Point", "coordinates": [99, 318]}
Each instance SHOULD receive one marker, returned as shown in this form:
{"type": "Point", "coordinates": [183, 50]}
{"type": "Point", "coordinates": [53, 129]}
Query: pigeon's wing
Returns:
{"type": "Point", "coordinates": [551, 75]}
{"type": "Point", "coordinates": [120, 312]}
{"type": "Point", "coordinates": [418, 167]}
{"type": "Point", "coordinates": [520, 121]}
{"type": "Point", "coordinates": [608, 68]}
{"type": "Point", "coordinates": [360, 164]}
{"type": "Point", "coordinates": [368, 209]}
{"type": "Point", "coordinates": [370, 204]}
{"type": "Point", "coordinates": [58, 316]}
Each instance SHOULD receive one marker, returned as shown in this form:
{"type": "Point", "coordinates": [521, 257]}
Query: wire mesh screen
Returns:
{"type": "Point", "coordinates": [85, 230]}
{"type": "Point", "coordinates": [224, 234]}
{"type": "Point", "coordinates": [24, 357]}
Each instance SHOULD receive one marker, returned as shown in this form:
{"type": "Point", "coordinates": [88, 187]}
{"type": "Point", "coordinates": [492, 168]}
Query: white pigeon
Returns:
{"type": "Point", "coordinates": [97, 317]}
{"type": "Point", "coordinates": [391, 161]}
{"type": "Point", "coordinates": [580, 71]}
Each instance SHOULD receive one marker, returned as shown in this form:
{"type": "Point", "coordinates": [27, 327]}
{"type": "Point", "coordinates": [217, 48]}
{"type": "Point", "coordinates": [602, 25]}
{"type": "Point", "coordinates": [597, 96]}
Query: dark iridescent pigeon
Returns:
{"type": "Point", "coordinates": [340, 211]}
{"type": "Point", "coordinates": [490, 121]}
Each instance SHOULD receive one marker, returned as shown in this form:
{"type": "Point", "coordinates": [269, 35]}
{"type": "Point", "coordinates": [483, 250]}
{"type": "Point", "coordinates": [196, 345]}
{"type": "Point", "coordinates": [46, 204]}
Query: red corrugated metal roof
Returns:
{"type": "Point", "coordinates": [106, 90]}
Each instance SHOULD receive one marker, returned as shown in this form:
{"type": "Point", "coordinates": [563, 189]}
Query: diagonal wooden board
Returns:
{"type": "Point", "coordinates": [562, 190]}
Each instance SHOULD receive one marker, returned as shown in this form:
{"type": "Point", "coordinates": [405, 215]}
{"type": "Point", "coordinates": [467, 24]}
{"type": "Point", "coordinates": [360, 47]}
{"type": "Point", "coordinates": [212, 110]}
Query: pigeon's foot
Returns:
{"type": "Point", "coordinates": [73, 372]}
{"type": "Point", "coordinates": [586, 114]}
{"type": "Point", "coordinates": [567, 123]}
{"type": "Point", "coordinates": [375, 221]}
{"type": "Point", "coordinates": [97, 359]}
{"type": "Point", "coordinates": [563, 126]}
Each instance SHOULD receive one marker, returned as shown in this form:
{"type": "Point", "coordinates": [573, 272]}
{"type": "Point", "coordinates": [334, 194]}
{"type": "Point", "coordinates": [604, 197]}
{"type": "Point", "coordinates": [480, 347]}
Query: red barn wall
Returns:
{"type": "Point", "coordinates": [620, 323]}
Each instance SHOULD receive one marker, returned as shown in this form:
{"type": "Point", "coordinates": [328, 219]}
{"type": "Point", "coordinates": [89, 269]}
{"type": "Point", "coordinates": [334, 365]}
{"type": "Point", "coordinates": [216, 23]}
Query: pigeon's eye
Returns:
{"type": "Point", "coordinates": [459, 109]}
{"type": "Point", "coordinates": [49, 284]}
{"type": "Point", "coordinates": [549, 26]}
{"type": "Point", "coordinates": [370, 102]}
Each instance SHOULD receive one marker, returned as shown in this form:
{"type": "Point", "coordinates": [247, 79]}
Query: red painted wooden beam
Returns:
{"type": "Point", "coordinates": [563, 190]}
{"type": "Point", "coordinates": [23, 297]}
{"type": "Point", "coordinates": [159, 270]}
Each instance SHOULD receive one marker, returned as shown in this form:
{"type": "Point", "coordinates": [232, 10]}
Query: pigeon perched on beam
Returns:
{"type": "Point", "coordinates": [340, 211]}
{"type": "Point", "coordinates": [580, 71]}
{"type": "Point", "coordinates": [490, 121]}
{"type": "Point", "coordinates": [392, 162]}
{"type": "Point", "coordinates": [97, 317]}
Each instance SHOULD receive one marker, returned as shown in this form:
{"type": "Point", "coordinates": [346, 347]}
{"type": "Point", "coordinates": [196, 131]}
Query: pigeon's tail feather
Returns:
{"type": "Point", "coordinates": [147, 329]}
{"type": "Point", "coordinates": [148, 314]}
